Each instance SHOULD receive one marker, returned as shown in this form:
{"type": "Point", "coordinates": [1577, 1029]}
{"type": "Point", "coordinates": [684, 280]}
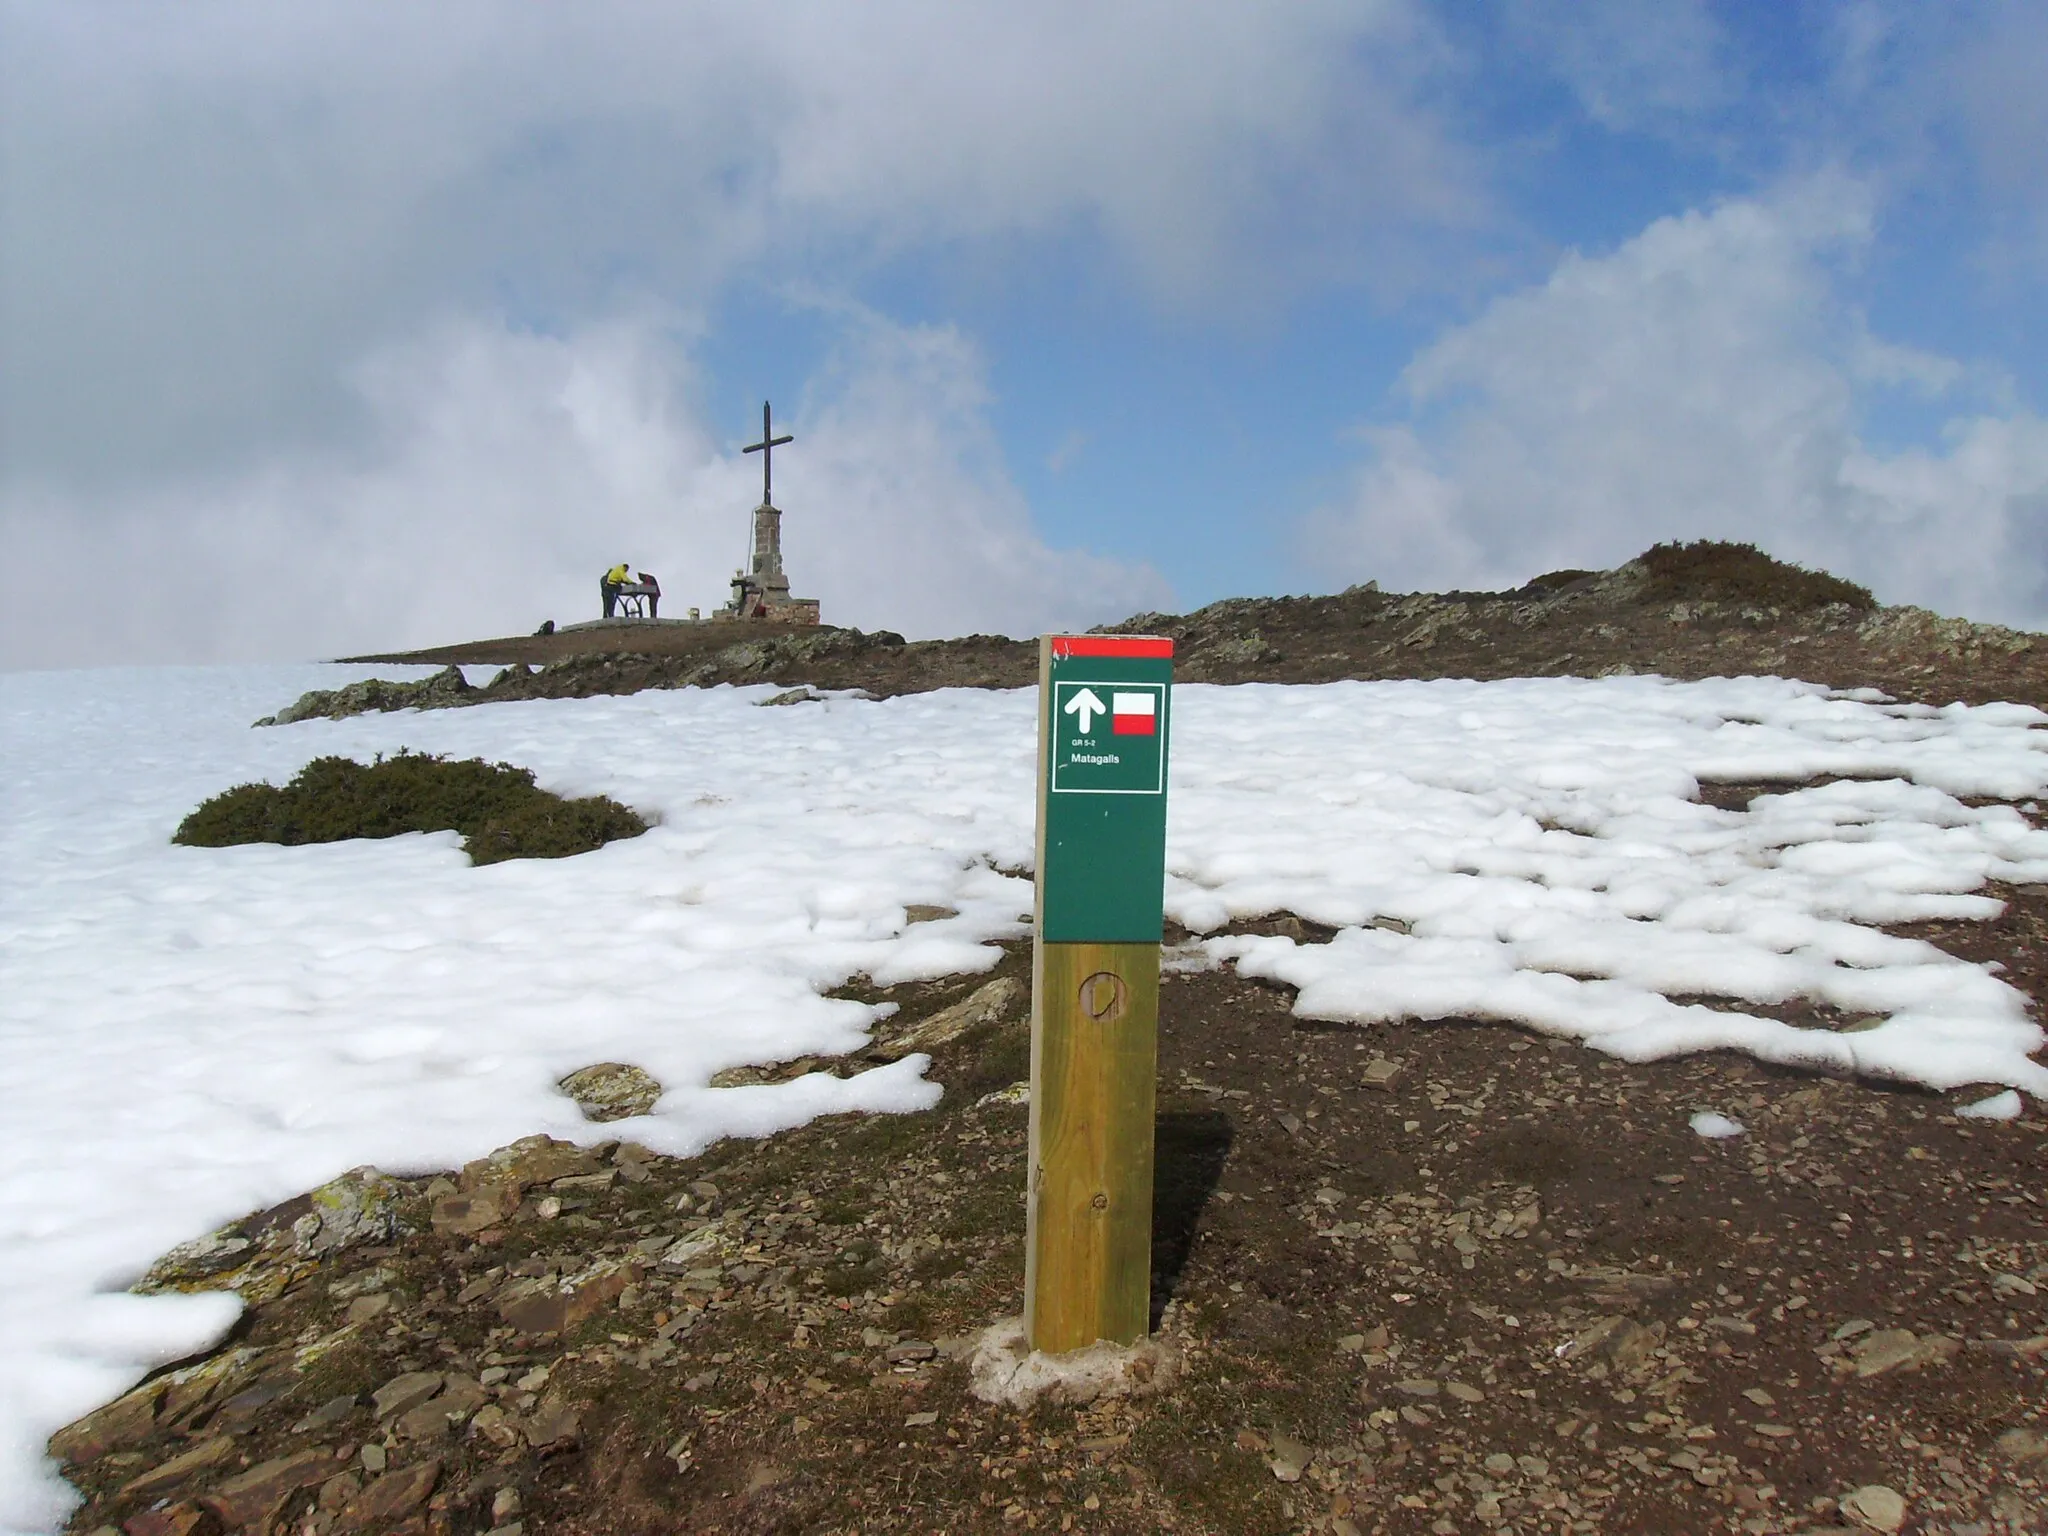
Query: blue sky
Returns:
{"type": "Point", "coordinates": [336, 326]}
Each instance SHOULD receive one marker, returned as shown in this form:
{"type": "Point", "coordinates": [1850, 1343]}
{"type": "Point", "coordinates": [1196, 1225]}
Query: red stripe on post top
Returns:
{"type": "Point", "coordinates": [1064, 646]}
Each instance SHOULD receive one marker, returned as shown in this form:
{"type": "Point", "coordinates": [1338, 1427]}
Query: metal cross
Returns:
{"type": "Point", "coordinates": [766, 448]}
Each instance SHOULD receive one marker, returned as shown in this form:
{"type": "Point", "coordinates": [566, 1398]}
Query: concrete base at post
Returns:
{"type": "Point", "coordinates": [1005, 1369]}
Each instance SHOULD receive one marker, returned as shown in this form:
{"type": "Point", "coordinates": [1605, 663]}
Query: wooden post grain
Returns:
{"type": "Point", "coordinates": [1094, 1050]}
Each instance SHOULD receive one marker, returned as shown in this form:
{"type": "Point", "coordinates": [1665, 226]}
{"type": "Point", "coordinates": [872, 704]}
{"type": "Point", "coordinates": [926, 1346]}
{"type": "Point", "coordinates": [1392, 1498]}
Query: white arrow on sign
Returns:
{"type": "Point", "coordinates": [1087, 704]}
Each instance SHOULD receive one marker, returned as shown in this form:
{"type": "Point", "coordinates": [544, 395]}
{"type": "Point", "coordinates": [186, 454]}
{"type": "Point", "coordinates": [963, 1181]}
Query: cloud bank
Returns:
{"type": "Point", "coordinates": [208, 211]}
{"type": "Point", "coordinates": [1705, 380]}
{"type": "Point", "coordinates": [324, 325]}
{"type": "Point", "coordinates": [504, 470]}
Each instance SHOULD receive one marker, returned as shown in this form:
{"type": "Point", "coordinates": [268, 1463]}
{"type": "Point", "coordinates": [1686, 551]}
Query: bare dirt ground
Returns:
{"type": "Point", "coordinates": [1427, 1278]}
{"type": "Point", "coordinates": [1504, 1287]}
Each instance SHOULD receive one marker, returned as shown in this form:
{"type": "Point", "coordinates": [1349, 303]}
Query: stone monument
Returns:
{"type": "Point", "coordinates": [761, 591]}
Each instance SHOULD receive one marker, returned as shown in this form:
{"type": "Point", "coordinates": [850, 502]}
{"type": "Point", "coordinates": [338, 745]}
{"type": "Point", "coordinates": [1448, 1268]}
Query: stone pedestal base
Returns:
{"type": "Point", "coordinates": [795, 610]}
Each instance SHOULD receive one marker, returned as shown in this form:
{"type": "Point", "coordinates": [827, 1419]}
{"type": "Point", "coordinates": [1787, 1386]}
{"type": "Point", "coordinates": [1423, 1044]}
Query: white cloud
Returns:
{"type": "Point", "coordinates": [1630, 65]}
{"type": "Point", "coordinates": [204, 209]}
{"type": "Point", "coordinates": [210, 215]}
{"type": "Point", "coordinates": [1943, 103]}
{"type": "Point", "coordinates": [1993, 86]}
{"type": "Point", "coordinates": [1705, 380]}
{"type": "Point", "coordinates": [902, 490]}
{"type": "Point", "coordinates": [505, 470]}
{"type": "Point", "coordinates": [1067, 451]}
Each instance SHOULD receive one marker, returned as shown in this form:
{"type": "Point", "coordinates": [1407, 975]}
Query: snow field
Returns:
{"type": "Point", "coordinates": [189, 1034]}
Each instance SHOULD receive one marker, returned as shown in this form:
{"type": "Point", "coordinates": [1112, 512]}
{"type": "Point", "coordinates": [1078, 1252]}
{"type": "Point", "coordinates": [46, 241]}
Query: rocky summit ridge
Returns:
{"type": "Point", "coordinates": [1685, 618]}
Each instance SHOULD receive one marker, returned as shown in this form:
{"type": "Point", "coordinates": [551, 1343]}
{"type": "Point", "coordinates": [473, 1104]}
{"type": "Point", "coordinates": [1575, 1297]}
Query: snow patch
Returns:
{"type": "Point", "coordinates": [1715, 1127]}
{"type": "Point", "coordinates": [2000, 1106]}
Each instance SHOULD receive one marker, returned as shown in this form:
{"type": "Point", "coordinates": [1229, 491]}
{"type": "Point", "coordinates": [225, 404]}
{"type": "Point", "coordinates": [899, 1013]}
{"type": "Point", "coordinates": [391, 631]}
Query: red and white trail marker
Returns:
{"type": "Point", "coordinates": [1134, 714]}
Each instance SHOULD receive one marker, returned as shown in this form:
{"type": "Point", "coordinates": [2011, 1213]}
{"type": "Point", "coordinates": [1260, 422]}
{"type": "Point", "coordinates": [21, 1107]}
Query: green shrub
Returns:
{"type": "Point", "coordinates": [496, 807]}
{"type": "Point", "coordinates": [1713, 571]}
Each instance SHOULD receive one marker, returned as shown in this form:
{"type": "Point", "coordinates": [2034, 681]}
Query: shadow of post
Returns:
{"type": "Point", "coordinates": [1189, 1149]}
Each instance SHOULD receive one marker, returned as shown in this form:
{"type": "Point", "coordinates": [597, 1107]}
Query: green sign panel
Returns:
{"type": "Point", "coordinates": [1105, 712]}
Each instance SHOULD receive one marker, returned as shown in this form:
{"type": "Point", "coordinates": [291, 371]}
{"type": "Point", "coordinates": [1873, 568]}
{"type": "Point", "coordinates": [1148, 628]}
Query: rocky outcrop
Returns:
{"type": "Point", "coordinates": [1004, 999]}
{"type": "Point", "coordinates": [1916, 631]}
{"type": "Point", "coordinates": [446, 689]}
{"type": "Point", "coordinates": [262, 1255]}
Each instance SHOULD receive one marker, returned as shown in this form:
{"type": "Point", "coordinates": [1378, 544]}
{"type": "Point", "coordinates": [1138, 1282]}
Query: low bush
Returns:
{"type": "Point", "coordinates": [1710, 570]}
{"type": "Point", "coordinates": [497, 808]}
{"type": "Point", "coordinates": [1551, 581]}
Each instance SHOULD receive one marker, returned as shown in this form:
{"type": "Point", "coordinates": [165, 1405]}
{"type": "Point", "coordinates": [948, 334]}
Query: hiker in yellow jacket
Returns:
{"type": "Point", "coordinates": [609, 585]}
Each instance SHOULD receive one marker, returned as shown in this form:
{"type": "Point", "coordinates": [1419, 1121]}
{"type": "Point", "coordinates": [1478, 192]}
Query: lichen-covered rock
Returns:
{"type": "Point", "coordinates": [1004, 998]}
{"type": "Point", "coordinates": [446, 689]}
{"type": "Point", "coordinates": [359, 1207]}
{"type": "Point", "coordinates": [526, 1162]}
{"type": "Point", "coordinates": [766, 1072]}
{"type": "Point", "coordinates": [1930, 634]}
{"type": "Point", "coordinates": [612, 1090]}
{"type": "Point", "coordinates": [259, 1256]}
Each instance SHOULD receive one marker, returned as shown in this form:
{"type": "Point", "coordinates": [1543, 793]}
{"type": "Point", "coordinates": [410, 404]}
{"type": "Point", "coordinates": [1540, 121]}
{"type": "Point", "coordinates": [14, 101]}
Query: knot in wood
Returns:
{"type": "Point", "coordinates": [1105, 997]}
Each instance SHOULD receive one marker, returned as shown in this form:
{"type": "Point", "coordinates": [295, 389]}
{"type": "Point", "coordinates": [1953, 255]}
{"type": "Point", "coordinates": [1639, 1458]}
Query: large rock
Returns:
{"type": "Point", "coordinates": [1004, 998]}
{"type": "Point", "coordinates": [359, 1207]}
{"type": "Point", "coordinates": [705, 1246]}
{"type": "Point", "coordinates": [2023, 1445]}
{"type": "Point", "coordinates": [443, 1412]}
{"type": "Point", "coordinates": [612, 1090]}
{"type": "Point", "coordinates": [1876, 1508]}
{"type": "Point", "coordinates": [554, 1424]}
{"type": "Point", "coordinates": [387, 1501]}
{"type": "Point", "coordinates": [446, 689]}
{"type": "Point", "coordinates": [165, 1476]}
{"type": "Point", "coordinates": [462, 1215]}
{"type": "Point", "coordinates": [183, 1518]}
{"type": "Point", "coordinates": [190, 1390]}
{"type": "Point", "coordinates": [771, 1072]}
{"type": "Point", "coordinates": [1899, 1349]}
{"type": "Point", "coordinates": [403, 1393]}
{"type": "Point", "coordinates": [1618, 1341]}
{"type": "Point", "coordinates": [252, 1499]}
{"type": "Point", "coordinates": [526, 1162]}
{"type": "Point", "coordinates": [128, 1420]}
{"type": "Point", "coordinates": [489, 1189]}
{"type": "Point", "coordinates": [552, 1304]}
{"type": "Point", "coordinates": [261, 1255]}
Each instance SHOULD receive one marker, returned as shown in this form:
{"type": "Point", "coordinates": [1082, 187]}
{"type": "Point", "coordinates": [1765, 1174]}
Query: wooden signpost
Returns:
{"type": "Point", "coordinates": [1104, 715]}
